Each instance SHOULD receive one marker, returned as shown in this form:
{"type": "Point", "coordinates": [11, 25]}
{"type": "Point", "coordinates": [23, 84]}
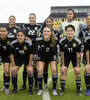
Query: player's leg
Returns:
{"type": "Point", "coordinates": [53, 65]}
{"type": "Point", "coordinates": [40, 76]}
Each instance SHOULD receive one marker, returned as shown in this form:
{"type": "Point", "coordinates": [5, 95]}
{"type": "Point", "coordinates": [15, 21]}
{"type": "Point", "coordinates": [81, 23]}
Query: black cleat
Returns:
{"type": "Point", "coordinates": [79, 93]}
{"type": "Point", "coordinates": [62, 92]}
{"type": "Point", "coordinates": [30, 92]}
{"type": "Point", "coordinates": [14, 91]}
{"type": "Point", "coordinates": [23, 87]}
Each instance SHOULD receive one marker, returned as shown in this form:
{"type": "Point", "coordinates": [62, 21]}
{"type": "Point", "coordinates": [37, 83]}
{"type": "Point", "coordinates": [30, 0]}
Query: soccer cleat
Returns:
{"type": "Point", "coordinates": [79, 92]}
{"type": "Point", "coordinates": [40, 92]}
{"type": "Point", "coordinates": [45, 86]}
{"type": "Point", "coordinates": [14, 91]}
{"type": "Point", "coordinates": [62, 92]}
{"type": "Point", "coordinates": [23, 87]}
{"type": "Point", "coordinates": [87, 93]}
{"type": "Point", "coordinates": [7, 92]}
{"type": "Point", "coordinates": [30, 92]}
{"type": "Point", "coordinates": [3, 89]}
{"type": "Point", "coordinates": [54, 92]}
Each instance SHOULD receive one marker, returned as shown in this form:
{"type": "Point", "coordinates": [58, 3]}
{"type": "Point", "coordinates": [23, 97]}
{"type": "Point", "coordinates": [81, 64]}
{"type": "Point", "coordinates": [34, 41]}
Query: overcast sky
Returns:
{"type": "Point", "coordinates": [22, 8]}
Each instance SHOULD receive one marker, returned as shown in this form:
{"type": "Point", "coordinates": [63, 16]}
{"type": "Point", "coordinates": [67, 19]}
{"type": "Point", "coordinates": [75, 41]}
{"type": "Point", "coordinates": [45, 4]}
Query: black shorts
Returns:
{"type": "Point", "coordinates": [6, 59]}
{"type": "Point", "coordinates": [47, 59]}
{"type": "Point", "coordinates": [21, 60]}
{"type": "Point", "coordinates": [68, 59]}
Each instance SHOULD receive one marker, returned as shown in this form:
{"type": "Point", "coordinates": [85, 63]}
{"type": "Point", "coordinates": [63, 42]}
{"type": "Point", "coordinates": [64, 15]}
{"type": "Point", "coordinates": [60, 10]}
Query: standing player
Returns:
{"type": "Point", "coordinates": [85, 37]}
{"type": "Point", "coordinates": [5, 53]}
{"type": "Point", "coordinates": [21, 53]}
{"type": "Point", "coordinates": [49, 22]}
{"type": "Point", "coordinates": [12, 32]}
{"type": "Point", "coordinates": [70, 47]}
{"type": "Point", "coordinates": [47, 53]}
{"type": "Point", "coordinates": [32, 30]}
{"type": "Point", "coordinates": [70, 21]}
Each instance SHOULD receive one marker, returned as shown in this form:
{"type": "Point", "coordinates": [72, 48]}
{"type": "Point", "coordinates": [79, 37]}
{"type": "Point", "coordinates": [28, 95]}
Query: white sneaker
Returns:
{"type": "Point", "coordinates": [45, 86]}
{"type": "Point", "coordinates": [3, 89]}
{"type": "Point", "coordinates": [7, 92]}
{"type": "Point", "coordinates": [54, 92]}
{"type": "Point", "coordinates": [40, 92]}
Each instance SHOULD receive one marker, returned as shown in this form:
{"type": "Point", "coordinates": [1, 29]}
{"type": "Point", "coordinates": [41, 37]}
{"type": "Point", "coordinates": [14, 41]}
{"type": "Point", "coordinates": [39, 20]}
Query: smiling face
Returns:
{"type": "Point", "coordinates": [12, 20]}
{"type": "Point", "coordinates": [49, 22]}
{"type": "Point", "coordinates": [20, 37]}
{"type": "Point", "coordinates": [3, 32]}
{"type": "Point", "coordinates": [47, 33]}
{"type": "Point", "coordinates": [70, 32]}
{"type": "Point", "coordinates": [32, 19]}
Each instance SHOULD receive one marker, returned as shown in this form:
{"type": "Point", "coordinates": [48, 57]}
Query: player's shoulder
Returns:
{"type": "Point", "coordinates": [38, 25]}
{"type": "Point", "coordinates": [62, 39]}
{"type": "Point", "coordinates": [87, 38]}
{"type": "Point", "coordinates": [13, 42]}
{"type": "Point", "coordinates": [77, 40]}
{"type": "Point", "coordinates": [17, 27]}
{"type": "Point", "coordinates": [28, 42]}
{"type": "Point", "coordinates": [39, 39]}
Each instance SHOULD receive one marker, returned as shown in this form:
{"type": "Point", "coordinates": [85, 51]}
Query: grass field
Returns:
{"type": "Point", "coordinates": [70, 92]}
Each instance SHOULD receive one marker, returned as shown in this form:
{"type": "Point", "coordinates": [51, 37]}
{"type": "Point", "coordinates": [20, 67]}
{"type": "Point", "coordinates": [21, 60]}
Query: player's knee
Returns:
{"type": "Point", "coordinates": [87, 69]}
{"type": "Point", "coordinates": [40, 72]}
{"type": "Point", "coordinates": [54, 71]}
{"type": "Point", "coordinates": [63, 70]}
{"type": "Point", "coordinates": [13, 71]}
{"type": "Point", "coordinates": [77, 70]}
{"type": "Point", "coordinates": [6, 72]}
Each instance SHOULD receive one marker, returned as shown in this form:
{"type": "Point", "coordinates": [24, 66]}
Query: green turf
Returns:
{"type": "Point", "coordinates": [70, 93]}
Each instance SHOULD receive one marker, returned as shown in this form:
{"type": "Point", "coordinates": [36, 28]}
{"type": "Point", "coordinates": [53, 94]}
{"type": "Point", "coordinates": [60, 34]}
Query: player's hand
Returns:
{"type": "Point", "coordinates": [87, 67]}
{"type": "Point", "coordinates": [28, 39]}
{"type": "Point", "coordinates": [30, 69]}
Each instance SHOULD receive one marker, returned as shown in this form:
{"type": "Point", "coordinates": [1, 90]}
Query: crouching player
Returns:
{"type": "Point", "coordinates": [47, 53]}
{"type": "Point", "coordinates": [87, 66]}
{"type": "Point", "coordinates": [70, 47]}
{"type": "Point", "coordinates": [5, 54]}
{"type": "Point", "coordinates": [21, 53]}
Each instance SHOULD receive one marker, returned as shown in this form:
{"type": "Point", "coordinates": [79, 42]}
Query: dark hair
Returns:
{"type": "Point", "coordinates": [3, 26]}
{"type": "Point", "coordinates": [47, 19]}
{"type": "Point", "coordinates": [53, 40]}
{"type": "Point", "coordinates": [73, 12]}
{"type": "Point", "coordinates": [32, 14]}
{"type": "Point", "coordinates": [12, 16]}
{"type": "Point", "coordinates": [21, 30]}
{"type": "Point", "coordinates": [69, 26]}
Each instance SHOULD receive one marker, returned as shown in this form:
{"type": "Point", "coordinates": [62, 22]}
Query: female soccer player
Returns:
{"type": "Point", "coordinates": [31, 34]}
{"type": "Point", "coordinates": [47, 53]}
{"type": "Point", "coordinates": [21, 53]}
{"type": "Point", "coordinates": [49, 22]}
{"type": "Point", "coordinates": [5, 54]}
{"type": "Point", "coordinates": [70, 47]}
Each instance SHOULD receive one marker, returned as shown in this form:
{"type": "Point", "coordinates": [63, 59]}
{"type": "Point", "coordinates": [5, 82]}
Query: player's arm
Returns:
{"type": "Point", "coordinates": [88, 56]}
{"type": "Point", "coordinates": [62, 58]}
{"type": "Point", "coordinates": [12, 59]}
{"type": "Point", "coordinates": [78, 59]}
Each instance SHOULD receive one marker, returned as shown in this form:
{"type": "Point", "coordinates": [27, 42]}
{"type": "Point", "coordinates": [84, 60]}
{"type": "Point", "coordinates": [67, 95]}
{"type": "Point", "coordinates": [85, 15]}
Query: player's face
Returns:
{"type": "Point", "coordinates": [88, 20]}
{"type": "Point", "coordinates": [70, 15]}
{"type": "Point", "coordinates": [70, 32]}
{"type": "Point", "coordinates": [32, 20]}
{"type": "Point", "coordinates": [3, 32]}
{"type": "Point", "coordinates": [12, 21]}
{"type": "Point", "coordinates": [49, 22]}
{"type": "Point", "coordinates": [46, 33]}
{"type": "Point", "coordinates": [20, 37]}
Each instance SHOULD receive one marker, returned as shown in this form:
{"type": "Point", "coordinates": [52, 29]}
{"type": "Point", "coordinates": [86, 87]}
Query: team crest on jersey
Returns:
{"type": "Point", "coordinates": [74, 45]}
{"type": "Point", "coordinates": [8, 42]}
{"type": "Point", "coordinates": [14, 30]}
{"type": "Point", "coordinates": [35, 28]}
{"type": "Point", "coordinates": [25, 48]}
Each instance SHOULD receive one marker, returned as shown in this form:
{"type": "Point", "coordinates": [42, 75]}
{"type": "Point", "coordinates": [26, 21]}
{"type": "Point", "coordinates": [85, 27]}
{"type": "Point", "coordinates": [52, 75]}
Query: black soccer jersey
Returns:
{"type": "Point", "coordinates": [13, 32]}
{"type": "Point", "coordinates": [84, 32]}
{"type": "Point", "coordinates": [45, 48]}
{"type": "Point", "coordinates": [32, 31]}
{"type": "Point", "coordinates": [70, 47]}
{"type": "Point", "coordinates": [5, 47]}
{"type": "Point", "coordinates": [87, 43]}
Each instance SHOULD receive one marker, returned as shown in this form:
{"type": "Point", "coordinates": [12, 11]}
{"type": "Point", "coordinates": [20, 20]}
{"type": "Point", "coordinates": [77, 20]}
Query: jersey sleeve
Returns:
{"type": "Point", "coordinates": [61, 47]}
{"type": "Point", "coordinates": [78, 48]}
{"type": "Point", "coordinates": [11, 49]}
{"type": "Point", "coordinates": [31, 49]}
{"type": "Point", "coordinates": [86, 45]}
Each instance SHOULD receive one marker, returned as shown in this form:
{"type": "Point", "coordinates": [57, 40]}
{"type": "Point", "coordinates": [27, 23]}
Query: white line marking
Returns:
{"type": "Point", "coordinates": [46, 95]}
